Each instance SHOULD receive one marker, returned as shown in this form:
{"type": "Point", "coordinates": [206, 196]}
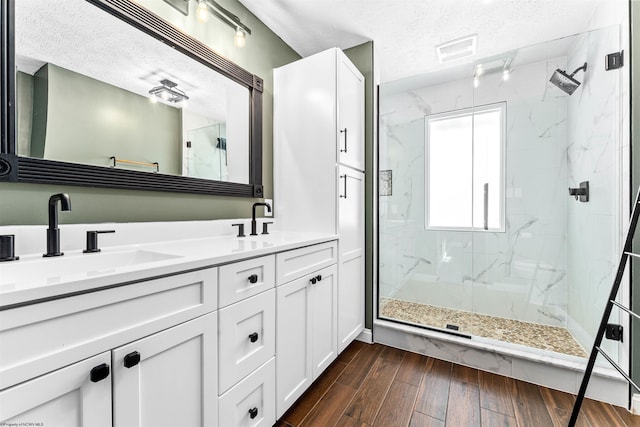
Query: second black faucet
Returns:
{"type": "Point", "coordinates": [253, 216]}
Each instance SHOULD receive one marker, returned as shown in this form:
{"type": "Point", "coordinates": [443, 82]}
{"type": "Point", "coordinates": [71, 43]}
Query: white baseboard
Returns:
{"type": "Point", "coordinates": [365, 336]}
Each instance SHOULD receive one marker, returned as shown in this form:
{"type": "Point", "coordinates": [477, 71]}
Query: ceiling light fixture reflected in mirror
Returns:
{"type": "Point", "coordinates": [168, 91]}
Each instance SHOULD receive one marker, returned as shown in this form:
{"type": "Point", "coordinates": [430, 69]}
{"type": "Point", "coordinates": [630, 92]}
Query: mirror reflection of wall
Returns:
{"type": "Point", "coordinates": [86, 91]}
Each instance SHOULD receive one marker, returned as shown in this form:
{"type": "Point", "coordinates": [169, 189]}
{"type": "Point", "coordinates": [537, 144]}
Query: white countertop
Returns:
{"type": "Point", "coordinates": [36, 278]}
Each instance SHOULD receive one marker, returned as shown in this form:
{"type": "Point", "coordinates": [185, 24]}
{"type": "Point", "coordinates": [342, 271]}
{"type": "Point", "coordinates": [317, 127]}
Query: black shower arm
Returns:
{"type": "Point", "coordinates": [583, 68]}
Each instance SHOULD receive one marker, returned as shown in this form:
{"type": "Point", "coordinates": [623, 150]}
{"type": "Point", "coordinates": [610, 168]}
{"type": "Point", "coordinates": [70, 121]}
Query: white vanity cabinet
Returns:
{"type": "Point", "coordinates": [306, 323]}
{"type": "Point", "coordinates": [169, 378]}
{"type": "Point", "coordinates": [319, 166]}
{"type": "Point", "coordinates": [247, 343]}
{"type": "Point", "coordinates": [204, 347]}
{"type": "Point", "coordinates": [50, 352]}
{"type": "Point", "coordinates": [74, 396]}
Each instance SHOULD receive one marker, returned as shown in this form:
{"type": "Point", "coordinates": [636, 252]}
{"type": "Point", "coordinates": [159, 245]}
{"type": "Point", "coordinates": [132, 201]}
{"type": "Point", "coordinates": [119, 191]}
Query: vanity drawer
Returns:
{"type": "Point", "coordinates": [244, 279]}
{"type": "Point", "coordinates": [246, 337]}
{"type": "Point", "coordinates": [253, 396]}
{"type": "Point", "coordinates": [40, 338]}
{"type": "Point", "coordinates": [296, 263]}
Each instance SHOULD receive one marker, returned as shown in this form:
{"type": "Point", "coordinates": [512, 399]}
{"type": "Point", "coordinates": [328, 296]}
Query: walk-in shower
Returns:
{"type": "Point", "coordinates": [478, 235]}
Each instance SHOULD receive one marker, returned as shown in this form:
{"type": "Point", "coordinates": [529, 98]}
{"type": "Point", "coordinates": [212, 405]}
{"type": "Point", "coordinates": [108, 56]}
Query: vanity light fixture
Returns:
{"type": "Point", "coordinates": [206, 8]}
{"type": "Point", "coordinates": [202, 12]}
{"type": "Point", "coordinates": [168, 91]}
{"type": "Point", "coordinates": [213, 7]}
{"type": "Point", "coordinates": [240, 39]}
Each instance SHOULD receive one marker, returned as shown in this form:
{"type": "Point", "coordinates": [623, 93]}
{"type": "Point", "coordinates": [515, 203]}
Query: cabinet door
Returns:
{"type": "Point", "coordinates": [351, 257]}
{"type": "Point", "coordinates": [350, 114]}
{"type": "Point", "coordinates": [324, 319]}
{"type": "Point", "coordinates": [293, 345]}
{"type": "Point", "coordinates": [168, 379]}
{"type": "Point", "coordinates": [65, 398]}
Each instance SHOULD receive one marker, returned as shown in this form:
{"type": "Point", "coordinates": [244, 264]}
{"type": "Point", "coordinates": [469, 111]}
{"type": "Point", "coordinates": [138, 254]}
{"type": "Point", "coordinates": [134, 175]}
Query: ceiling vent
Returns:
{"type": "Point", "coordinates": [457, 49]}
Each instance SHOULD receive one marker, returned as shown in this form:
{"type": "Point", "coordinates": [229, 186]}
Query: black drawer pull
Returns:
{"type": "Point", "coordinates": [319, 277]}
{"type": "Point", "coordinates": [253, 337]}
{"type": "Point", "coordinates": [253, 412]}
{"type": "Point", "coordinates": [99, 373]}
{"type": "Point", "coordinates": [253, 278]}
{"type": "Point", "coordinates": [313, 280]}
{"type": "Point", "coordinates": [131, 359]}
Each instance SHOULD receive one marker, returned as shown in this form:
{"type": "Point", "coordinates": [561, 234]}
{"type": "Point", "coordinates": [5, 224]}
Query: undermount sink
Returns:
{"type": "Point", "coordinates": [53, 270]}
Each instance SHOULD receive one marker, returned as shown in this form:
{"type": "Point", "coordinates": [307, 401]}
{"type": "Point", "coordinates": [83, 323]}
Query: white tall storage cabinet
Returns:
{"type": "Point", "coordinates": [319, 166]}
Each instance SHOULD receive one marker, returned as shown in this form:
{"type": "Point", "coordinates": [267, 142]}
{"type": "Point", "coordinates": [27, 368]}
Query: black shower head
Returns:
{"type": "Point", "coordinates": [565, 81]}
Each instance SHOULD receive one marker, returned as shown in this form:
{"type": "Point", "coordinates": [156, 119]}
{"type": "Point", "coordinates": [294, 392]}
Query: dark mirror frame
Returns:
{"type": "Point", "coordinates": [14, 168]}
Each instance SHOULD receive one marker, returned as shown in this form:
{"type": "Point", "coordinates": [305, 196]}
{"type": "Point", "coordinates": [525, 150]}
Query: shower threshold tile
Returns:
{"type": "Point", "coordinates": [534, 335]}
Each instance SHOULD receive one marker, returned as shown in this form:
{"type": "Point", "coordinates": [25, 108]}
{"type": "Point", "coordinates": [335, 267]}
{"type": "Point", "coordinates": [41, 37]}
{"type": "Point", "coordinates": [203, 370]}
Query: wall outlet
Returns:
{"type": "Point", "coordinates": [266, 212]}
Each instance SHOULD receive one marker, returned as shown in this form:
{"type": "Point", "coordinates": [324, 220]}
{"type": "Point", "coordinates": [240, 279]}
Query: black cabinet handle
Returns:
{"type": "Point", "coordinates": [345, 186]}
{"type": "Point", "coordinates": [131, 359]}
{"type": "Point", "coordinates": [99, 373]}
{"type": "Point", "coordinates": [253, 278]}
{"type": "Point", "coordinates": [319, 277]}
{"type": "Point", "coordinates": [345, 140]}
{"type": "Point", "coordinates": [313, 280]}
{"type": "Point", "coordinates": [253, 337]}
{"type": "Point", "coordinates": [253, 412]}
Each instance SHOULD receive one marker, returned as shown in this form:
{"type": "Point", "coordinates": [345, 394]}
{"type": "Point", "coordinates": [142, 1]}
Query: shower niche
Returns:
{"type": "Point", "coordinates": [479, 238]}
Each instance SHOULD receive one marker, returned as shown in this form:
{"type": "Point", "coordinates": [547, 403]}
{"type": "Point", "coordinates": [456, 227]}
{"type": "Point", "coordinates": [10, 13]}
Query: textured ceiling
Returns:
{"type": "Point", "coordinates": [405, 32]}
{"type": "Point", "coordinates": [78, 36]}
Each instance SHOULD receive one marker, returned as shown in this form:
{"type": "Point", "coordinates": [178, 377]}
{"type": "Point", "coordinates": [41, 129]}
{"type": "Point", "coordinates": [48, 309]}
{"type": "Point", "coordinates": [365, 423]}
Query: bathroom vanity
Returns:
{"type": "Point", "coordinates": [184, 332]}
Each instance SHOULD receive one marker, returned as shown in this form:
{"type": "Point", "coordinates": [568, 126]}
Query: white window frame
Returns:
{"type": "Point", "coordinates": [502, 107]}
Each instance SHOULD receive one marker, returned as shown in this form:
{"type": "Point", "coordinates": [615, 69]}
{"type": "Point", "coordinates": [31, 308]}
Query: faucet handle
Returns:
{"type": "Point", "coordinates": [265, 226]}
{"type": "Point", "coordinates": [92, 240]}
{"type": "Point", "coordinates": [7, 248]}
{"type": "Point", "coordinates": [240, 229]}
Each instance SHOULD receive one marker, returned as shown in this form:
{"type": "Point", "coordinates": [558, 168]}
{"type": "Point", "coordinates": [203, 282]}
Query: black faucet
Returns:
{"type": "Point", "coordinates": [253, 216]}
{"type": "Point", "coordinates": [53, 232]}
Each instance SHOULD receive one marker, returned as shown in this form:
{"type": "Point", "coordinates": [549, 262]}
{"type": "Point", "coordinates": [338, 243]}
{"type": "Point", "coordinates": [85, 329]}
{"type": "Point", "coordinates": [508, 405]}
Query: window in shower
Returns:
{"type": "Point", "coordinates": [465, 169]}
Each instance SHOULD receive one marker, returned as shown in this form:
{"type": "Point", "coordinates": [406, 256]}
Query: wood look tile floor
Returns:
{"type": "Point", "coordinates": [376, 385]}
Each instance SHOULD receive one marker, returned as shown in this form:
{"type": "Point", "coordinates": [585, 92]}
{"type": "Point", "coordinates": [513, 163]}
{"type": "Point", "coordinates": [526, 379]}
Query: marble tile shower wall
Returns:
{"type": "Point", "coordinates": [519, 274]}
{"type": "Point", "coordinates": [594, 155]}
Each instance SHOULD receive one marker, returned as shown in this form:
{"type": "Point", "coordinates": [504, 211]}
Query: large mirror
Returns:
{"type": "Point", "coordinates": [105, 93]}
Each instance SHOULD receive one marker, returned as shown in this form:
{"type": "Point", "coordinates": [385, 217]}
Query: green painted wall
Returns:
{"type": "Point", "coordinates": [26, 203]}
{"type": "Point", "coordinates": [89, 121]}
{"type": "Point", "coordinates": [362, 58]}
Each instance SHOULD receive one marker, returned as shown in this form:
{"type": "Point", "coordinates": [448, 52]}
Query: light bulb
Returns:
{"type": "Point", "coordinates": [203, 11]}
{"type": "Point", "coordinates": [240, 39]}
{"type": "Point", "coordinates": [476, 82]}
{"type": "Point", "coordinates": [164, 95]}
{"type": "Point", "coordinates": [153, 99]}
{"type": "Point", "coordinates": [505, 75]}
